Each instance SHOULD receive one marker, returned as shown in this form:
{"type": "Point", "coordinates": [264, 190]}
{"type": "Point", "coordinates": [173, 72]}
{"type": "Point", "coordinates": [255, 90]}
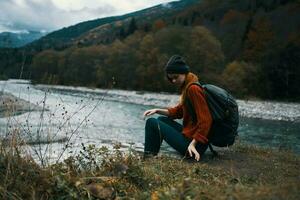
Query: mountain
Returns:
{"type": "Point", "coordinates": [68, 36]}
{"type": "Point", "coordinates": [14, 40]}
{"type": "Point", "coordinates": [250, 47]}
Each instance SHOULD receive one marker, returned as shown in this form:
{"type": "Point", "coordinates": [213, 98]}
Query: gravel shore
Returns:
{"type": "Point", "coordinates": [270, 110]}
{"type": "Point", "coordinates": [11, 105]}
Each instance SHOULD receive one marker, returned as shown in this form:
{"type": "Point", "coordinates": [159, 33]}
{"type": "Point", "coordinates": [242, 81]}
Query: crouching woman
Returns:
{"type": "Point", "coordinates": [190, 138]}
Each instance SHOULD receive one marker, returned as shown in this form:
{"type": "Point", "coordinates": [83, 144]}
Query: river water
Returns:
{"type": "Point", "coordinates": [104, 117]}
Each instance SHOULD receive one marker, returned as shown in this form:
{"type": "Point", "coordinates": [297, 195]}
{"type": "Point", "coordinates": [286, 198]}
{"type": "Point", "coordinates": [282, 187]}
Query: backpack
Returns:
{"type": "Point", "coordinates": [224, 112]}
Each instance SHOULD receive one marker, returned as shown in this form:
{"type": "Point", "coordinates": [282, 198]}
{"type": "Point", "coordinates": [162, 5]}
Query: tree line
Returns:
{"type": "Point", "coordinates": [138, 61]}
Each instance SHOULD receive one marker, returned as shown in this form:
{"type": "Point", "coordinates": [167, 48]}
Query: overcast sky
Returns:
{"type": "Point", "coordinates": [49, 15]}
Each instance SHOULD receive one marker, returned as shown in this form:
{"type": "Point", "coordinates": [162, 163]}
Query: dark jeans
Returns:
{"type": "Point", "coordinates": [164, 128]}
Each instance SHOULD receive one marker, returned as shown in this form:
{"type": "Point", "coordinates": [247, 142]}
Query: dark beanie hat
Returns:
{"type": "Point", "coordinates": [176, 65]}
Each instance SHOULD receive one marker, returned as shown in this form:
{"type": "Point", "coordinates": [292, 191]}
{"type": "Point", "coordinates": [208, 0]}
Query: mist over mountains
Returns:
{"type": "Point", "coordinates": [19, 39]}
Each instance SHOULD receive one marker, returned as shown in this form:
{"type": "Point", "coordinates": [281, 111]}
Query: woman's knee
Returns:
{"type": "Point", "coordinates": [163, 118]}
{"type": "Point", "coordinates": [151, 122]}
{"type": "Point", "coordinates": [152, 129]}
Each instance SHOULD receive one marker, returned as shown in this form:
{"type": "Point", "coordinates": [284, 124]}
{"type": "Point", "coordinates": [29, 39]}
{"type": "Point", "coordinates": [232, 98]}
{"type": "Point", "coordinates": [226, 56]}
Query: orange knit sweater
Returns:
{"type": "Point", "coordinates": [199, 130]}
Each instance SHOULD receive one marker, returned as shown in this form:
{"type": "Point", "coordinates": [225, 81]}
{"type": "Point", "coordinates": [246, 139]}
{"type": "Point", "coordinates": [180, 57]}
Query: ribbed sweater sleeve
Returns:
{"type": "Point", "coordinates": [176, 112]}
{"type": "Point", "coordinates": [204, 119]}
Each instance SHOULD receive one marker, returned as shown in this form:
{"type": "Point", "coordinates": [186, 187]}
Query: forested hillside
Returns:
{"type": "Point", "coordinates": [251, 47]}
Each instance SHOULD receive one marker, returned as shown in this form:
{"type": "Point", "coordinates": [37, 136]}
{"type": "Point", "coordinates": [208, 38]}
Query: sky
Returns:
{"type": "Point", "coordinates": [49, 15]}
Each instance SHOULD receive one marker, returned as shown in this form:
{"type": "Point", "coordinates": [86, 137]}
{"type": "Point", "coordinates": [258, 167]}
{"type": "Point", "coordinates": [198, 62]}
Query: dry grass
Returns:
{"type": "Point", "coordinates": [241, 172]}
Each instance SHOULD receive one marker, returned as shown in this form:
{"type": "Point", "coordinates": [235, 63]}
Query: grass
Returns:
{"type": "Point", "coordinates": [240, 172]}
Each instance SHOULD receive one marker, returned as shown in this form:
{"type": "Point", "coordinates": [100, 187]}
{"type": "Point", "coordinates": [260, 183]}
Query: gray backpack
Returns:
{"type": "Point", "coordinates": [224, 112]}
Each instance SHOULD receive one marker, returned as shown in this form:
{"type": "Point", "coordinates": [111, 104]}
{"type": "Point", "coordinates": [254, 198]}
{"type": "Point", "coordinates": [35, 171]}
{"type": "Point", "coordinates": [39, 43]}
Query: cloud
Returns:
{"type": "Point", "coordinates": [49, 15]}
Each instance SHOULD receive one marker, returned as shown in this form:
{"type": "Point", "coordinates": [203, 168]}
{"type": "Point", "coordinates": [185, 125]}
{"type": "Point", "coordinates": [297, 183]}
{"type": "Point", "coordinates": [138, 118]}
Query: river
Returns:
{"type": "Point", "coordinates": [104, 117]}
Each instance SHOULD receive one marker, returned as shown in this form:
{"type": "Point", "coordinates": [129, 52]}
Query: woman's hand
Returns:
{"type": "Point", "coordinates": [192, 150]}
{"type": "Point", "coordinates": [149, 112]}
{"type": "Point", "coordinates": [156, 111]}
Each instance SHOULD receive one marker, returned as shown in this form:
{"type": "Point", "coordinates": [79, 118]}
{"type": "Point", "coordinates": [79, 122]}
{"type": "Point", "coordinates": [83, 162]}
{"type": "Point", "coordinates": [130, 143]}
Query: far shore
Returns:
{"type": "Point", "coordinates": [260, 109]}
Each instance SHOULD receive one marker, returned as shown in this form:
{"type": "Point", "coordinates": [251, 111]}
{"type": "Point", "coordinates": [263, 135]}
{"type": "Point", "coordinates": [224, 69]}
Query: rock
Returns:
{"type": "Point", "coordinates": [119, 169]}
{"type": "Point", "coordinates": [100, 191]}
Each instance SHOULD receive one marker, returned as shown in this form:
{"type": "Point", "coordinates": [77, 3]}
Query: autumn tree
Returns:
{"type": "Point", "coordinates": [45, 66]}
{"type": "Point", "coordinates": [150, 69]}
{"type": "Point", "coordinates": [132, 26]}
{"type": "Point", "coordinates": [242, 79]}
{"type": "Point", "coordinates": [159, 24]}
{"type": "Point", "coordinates": [283, 73]}
{"type": "Point", "coordinates": [205, 54]}
{"type": "Point", "coordinates": [260, 40]}
{"type": "Point", "coordinates": [233, 27]}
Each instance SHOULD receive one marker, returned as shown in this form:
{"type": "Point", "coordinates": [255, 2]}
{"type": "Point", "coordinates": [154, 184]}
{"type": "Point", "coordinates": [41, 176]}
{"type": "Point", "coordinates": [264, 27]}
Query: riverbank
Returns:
{"type": "Point", "coordinates": [268, 110]}
{"type": "Point", "coordinates": [240, 172]}
{"type": "Point", "coordinates": [11, 105]}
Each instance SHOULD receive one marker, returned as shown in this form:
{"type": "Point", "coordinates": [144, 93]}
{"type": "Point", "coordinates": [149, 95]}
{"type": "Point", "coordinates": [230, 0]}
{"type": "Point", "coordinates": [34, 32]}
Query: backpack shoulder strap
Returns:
{"type": "Point", "coordinates": [195, 83]}
{"type": "Point", "coordinates": [189, 104]}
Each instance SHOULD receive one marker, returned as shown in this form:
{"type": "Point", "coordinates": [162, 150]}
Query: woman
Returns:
{"type": "Point", "coordinates": [189, 137]}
